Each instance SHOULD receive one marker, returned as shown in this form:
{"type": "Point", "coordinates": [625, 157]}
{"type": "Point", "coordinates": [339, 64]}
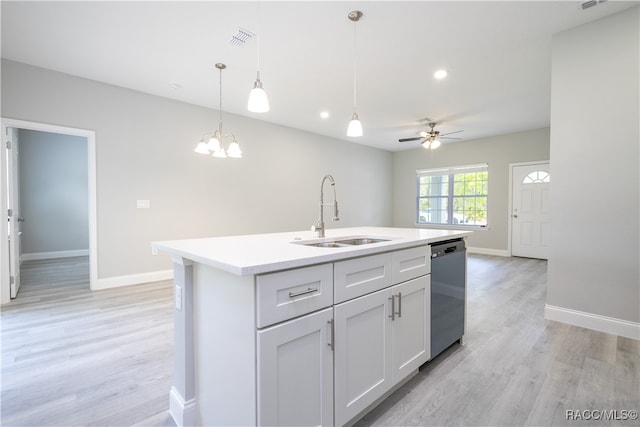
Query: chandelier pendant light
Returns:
{"type": "Point", "coordinates": [215, 145]}
{"type": "Point", "coordinates": [355, 127]}
{"type": "Point", "coordinates": [258, 101]}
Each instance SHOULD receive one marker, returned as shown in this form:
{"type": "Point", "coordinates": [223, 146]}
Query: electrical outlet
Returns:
{"type": "Point", "coordinates": [143, 204]}
{"type": "Point", "coordinates": [154, 251]}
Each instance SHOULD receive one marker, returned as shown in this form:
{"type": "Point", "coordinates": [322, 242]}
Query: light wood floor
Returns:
{"type": "Point", "coordinates": [515, 368]}
{"type": "Point", "coordinates": [75, 357]}
{"type": "Point", "coordinates": [71, 356]}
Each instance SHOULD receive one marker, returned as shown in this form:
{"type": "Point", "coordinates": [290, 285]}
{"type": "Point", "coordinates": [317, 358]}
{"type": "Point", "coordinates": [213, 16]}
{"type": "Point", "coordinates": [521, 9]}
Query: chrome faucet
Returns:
{"type": "Point", "coordinates": [319, 227]}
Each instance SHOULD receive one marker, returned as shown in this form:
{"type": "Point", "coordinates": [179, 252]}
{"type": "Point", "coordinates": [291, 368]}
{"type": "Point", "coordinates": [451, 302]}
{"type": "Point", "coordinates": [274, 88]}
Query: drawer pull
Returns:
{"type": "Point", "coordinates": [297, 294]}
{"type": "Point", "coordinates": [399, 313]}
{"type": "Point", "coordinates": [393, 308]}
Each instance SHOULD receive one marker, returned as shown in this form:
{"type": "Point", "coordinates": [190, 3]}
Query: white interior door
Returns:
{"type": "Point", "coordinates": [13, 203]}
{"type": "Point", "coordinates": [530, 216]}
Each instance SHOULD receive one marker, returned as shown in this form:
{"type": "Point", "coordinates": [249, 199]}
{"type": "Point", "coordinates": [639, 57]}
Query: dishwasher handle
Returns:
{"type": "Point", "coordinates": [446, 248]}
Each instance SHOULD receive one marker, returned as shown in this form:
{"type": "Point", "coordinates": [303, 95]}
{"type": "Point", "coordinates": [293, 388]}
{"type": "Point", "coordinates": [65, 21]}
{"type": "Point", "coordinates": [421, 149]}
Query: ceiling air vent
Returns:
{"type": "Point", "coordinates": [240, 37]}
{"type": "Point", "coordinates": [591, 3]}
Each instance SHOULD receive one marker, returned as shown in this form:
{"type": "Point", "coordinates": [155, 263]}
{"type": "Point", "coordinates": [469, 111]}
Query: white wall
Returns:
{"type": "Point", "coordinates": [144, 147]}
{"type": "Point", "coordinates": [53, 193]}
{"type": "Point", "coordinates": [498, 152]}
{"type": "Point", "coordinates": [595, 138]}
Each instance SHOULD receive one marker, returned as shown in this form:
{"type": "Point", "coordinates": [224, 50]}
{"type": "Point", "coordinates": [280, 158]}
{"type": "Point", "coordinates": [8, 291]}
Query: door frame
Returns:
{"type": "Point", "coordinates": [510, 207]}
{"type": "Point", "coordinates": [92, 190]}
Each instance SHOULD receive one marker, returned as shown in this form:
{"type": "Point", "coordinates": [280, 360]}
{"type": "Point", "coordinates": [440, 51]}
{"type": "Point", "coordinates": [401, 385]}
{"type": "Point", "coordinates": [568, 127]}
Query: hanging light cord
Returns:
{"type": "Point", "coordinates": [220, 107]}
{"type": "Point", "coordinates": [354, 66]}
{"type": "Point", "coordinates": [258, 42]}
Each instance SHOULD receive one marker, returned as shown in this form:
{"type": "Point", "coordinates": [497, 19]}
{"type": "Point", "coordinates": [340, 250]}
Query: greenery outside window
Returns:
{"type": "Point", "coordinates": [453, 196]}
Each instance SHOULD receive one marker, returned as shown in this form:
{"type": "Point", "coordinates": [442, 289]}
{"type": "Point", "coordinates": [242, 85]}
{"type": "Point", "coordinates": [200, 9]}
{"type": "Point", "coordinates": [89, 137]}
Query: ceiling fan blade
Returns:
{"type": "Point", "coordinates": [448, 137]}
{"type": "Point", "coordinates": [451, 133]}
{"type": "Point", "coordinates": [409, 139]}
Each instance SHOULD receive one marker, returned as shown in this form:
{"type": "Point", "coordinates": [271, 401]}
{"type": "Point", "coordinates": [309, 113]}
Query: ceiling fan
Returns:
{"type": "Point", "coordinates": [431, 139]}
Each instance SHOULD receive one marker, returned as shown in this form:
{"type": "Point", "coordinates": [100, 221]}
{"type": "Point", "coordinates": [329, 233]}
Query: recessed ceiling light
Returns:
{"type": "Point", "coordinates": [440, 74]}
{"type": "Point", "coordinates": [324, 114]}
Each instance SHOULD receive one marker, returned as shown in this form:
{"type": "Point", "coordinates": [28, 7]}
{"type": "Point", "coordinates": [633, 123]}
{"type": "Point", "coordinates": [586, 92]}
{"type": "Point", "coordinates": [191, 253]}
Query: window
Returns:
{"type": "Point", "coordinates": [537, 177]}
{"type": "Point", "coordinates": [453, 196]}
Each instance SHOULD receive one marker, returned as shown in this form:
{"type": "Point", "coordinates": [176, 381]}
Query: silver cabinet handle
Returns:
{"type": "Point", "coordinates": [331, 334]}
{"type": "Point", "coordinates": [393, 307]}
{"type": "Point", "coordinates": [297, 294]}
{"type": "Point", "coordinates": [399, 304]}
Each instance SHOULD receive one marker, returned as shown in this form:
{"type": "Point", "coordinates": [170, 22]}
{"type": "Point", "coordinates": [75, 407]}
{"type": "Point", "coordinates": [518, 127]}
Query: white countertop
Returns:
{"type": "Point", "coordinates": [262, 253]}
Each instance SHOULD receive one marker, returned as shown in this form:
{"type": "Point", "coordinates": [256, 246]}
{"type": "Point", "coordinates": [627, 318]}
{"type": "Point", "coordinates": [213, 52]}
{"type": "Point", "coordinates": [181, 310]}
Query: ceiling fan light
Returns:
{"type": "Point", "coordinates": [434, 144]}
{"type": "Point", "coordinates": [234, 150]}
{"type": "Point", "coordinates": [258, 101]}
{"type": "Point", "coordinates": [201, 148]}
{"type": "Point", "coordinates": [355, 127]}
{"type": "Point", "coordinates": [440, 74]}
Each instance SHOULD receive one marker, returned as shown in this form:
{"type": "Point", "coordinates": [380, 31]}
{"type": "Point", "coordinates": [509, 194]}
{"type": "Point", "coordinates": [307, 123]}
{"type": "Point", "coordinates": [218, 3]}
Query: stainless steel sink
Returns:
{"type": "Point", "coordinates": [361, 241]}
{"type": "Point", "coordinates": [326, 244]}
{"type": "Point", "coordinates": [341, 242]}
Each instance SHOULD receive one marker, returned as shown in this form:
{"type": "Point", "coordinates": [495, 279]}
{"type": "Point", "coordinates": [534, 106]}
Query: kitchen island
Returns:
{"type": "Point", "coordinates": [288, 328]}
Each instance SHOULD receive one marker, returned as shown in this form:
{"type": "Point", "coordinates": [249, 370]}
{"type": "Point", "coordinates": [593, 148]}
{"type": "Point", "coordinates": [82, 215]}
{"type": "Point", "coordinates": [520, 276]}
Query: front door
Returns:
{"type": "Point", "coordinates": [530, 216]}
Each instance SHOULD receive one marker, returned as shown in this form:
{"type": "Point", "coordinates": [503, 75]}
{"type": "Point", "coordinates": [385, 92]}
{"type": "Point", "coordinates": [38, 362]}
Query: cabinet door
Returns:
{"type": "Point", "coordinates": [295, 372]}
{"type": "Point", "coordinates": [411, 330]}
{"type": "Point", "coordinates": [362, 353]}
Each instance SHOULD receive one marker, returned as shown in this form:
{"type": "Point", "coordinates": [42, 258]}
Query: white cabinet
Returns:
{"type": "Point", "coordinates": [381, 338]}
{"type": "Point", "coordinates": [360, 276]}
{"type": "Point", "coordinates": [287, 294]}
{"type": "Point", "coordinates": [295, 372]}
{"type": "Point", "coordinates": [410, 330]}
{"type": "Point", "coordinates": [362, 353]}
{"type": "Point", "coordinates": [330, 365]}
{"type": "Point", "coordinates": [410, 263]}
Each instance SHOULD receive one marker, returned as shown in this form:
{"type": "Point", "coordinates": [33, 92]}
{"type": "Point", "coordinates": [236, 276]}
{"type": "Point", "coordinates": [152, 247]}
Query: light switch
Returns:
{"type": "Point", "coordinates": [179, 298]}
{"type": "Point", "coordinates": [143, 204]}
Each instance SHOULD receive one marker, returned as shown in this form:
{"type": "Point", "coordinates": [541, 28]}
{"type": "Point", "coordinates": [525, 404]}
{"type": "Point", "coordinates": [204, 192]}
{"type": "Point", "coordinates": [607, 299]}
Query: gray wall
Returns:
{"type": "Point", "coordinates": [498, 152]}
{"type": "Point", "coordinates": [53, 192]}
{"type": "Point", "coordinates": [595, 140]}
{"type": "Point", "coordinates": [144, 148]}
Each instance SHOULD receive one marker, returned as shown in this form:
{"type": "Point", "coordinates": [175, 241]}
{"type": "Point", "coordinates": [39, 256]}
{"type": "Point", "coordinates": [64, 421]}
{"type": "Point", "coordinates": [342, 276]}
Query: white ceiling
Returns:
{"type": "Point", "coordinates": [498, 55]}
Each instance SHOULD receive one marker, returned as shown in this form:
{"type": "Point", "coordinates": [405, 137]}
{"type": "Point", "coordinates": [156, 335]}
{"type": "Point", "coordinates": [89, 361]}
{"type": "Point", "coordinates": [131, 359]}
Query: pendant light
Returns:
{"type": "Point", "coordinates": [215, 145]}
{"type": "Point", "coordinates": [258, 101]}
{"type": "Point", "coordinates": [355, 127]}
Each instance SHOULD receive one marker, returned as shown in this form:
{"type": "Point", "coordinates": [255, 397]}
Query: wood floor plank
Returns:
{"type": "Point", "coordinates": [75, 357]}
{"type": "Point", "coordinates": [516, 368]}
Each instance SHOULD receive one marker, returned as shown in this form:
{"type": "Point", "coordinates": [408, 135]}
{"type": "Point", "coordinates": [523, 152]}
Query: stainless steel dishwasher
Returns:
{"type": "Point", "coordinates": [448, 282]}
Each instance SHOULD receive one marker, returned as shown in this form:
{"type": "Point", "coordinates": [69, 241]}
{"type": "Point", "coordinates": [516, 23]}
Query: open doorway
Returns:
{"type": "Point", "coordinates": [62, 210]}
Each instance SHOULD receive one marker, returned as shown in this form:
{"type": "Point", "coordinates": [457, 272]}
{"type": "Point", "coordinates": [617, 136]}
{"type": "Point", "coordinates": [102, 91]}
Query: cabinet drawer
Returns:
{"type": "Point", "coordinates": [287, 294]}
{"type": "Point", "coordinates": [410, 263]}
{"type": "Point", "coordinates": [360, 276]}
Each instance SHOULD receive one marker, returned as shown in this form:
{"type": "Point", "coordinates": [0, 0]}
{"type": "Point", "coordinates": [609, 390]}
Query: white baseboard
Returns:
{"type": "Point", "coordinates": [183, 413]}
{"type": "Point", "coordinates": [488, 251]}
{"type": "Point", "coordinates": [132, 279]}
{"type": "Point", "coordinates": [55, 254]}
{"type": "Point", "coordinates": [610, 325]}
